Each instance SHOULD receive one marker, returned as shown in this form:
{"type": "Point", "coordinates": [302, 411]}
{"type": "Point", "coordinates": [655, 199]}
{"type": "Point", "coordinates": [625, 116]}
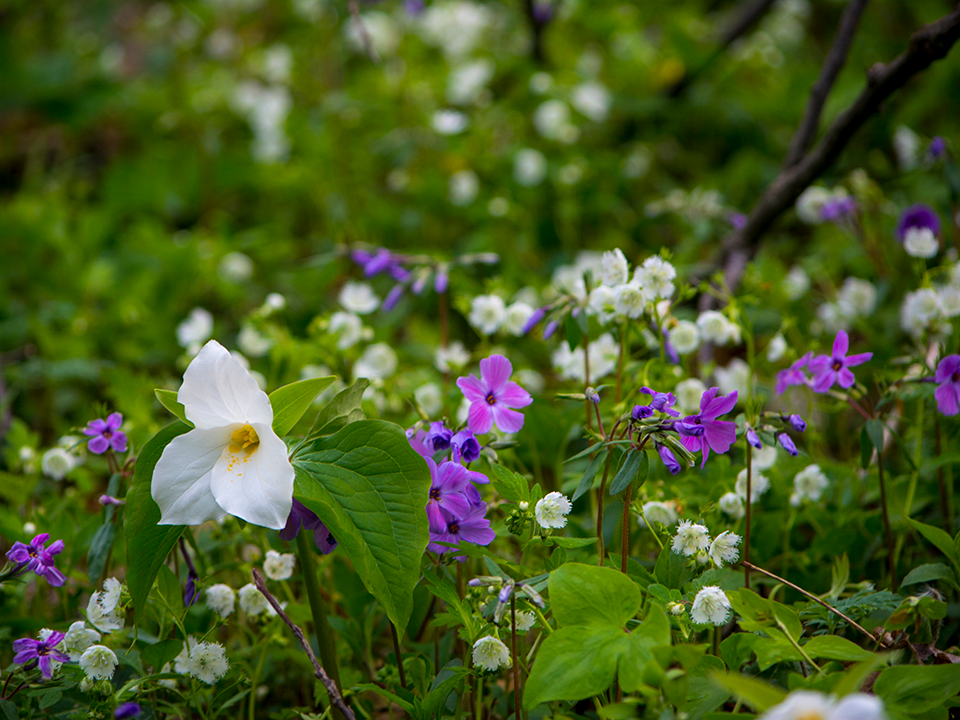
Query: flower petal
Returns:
{"type": "Point", "coordinates": [217, 391]}
{"type": "Point", "coordinates": [479, 418]}
{"type": "Point", "coordinates": [514, 396]}
{"type": "Point", "coordinates": [824, 381]}
{"type": "Point", "coordinates": [719, 406]}
{"type": "Point", "coordinates": [720, 435]}
{"type": "Point", "coordinates": [508, 421]}
{"type": "Point", "coordinates": [947, 399]}
{"type": "Point", "coordinates": [98, 445]}
{"type": "Point", "coordinates": [114, 421]}
{"type": "Point", "coordinates": [947, 367]}
{"type": "Point", "coordinates": [860, 359]}
{"type": "Point", "coordinates": [258, 485]}
{"type": "Point", "coordinates": [181, 479]}
{"type": "Point", "coordinates": [846, 378]}
{"type": "Point", "coordinates": [495, 371]}
{"type": "Point", "coordinates": [819, 363]}
{"type": "Point", "coordinates": [472, 389]}
{"type": "Point", "coordinates": [841, 344]}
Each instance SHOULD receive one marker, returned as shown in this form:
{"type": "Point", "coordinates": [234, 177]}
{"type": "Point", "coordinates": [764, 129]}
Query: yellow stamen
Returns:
{"type": "Point", "coordinates": [244, 440]}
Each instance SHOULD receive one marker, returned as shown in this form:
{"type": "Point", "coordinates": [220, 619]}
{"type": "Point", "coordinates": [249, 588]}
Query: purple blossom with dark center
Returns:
{"type": "Point", "coordinates": [39, 559]}
{"type": "Point", "coordinates": [947, 393]}
{"type": "Point", "coordinates": [105, 434]}
{"type": "Point", "coordinates": [668, 458]}
{"type": "Point", "coordinates": [301, 515]}
{"type": "Point", "coordinates": [550, 328]}
{"type": "Point", "coordinates": [754, 439]}
{"type": "Point", "coordinates": [703, 431]}
{"type": "Point", "coordinates": [797, 423]}
{"type": "Point", "coordinates": [640, 412]}
{"type": "Point", "coordinates": [793, 375]}
{"type": "Point", "coordinates": [493, 397]}
{"type": "Point", "coordinates": [839, 209]}
{"type": "Point", "coordinates": [127, 710]}
{"type": "Point", "coordinates": [835, 368]}
{"type": "Point", "coordinates": [661, 402]}
{"type": "Point", "coordinates": [937, 149]}
{"type": "Point", "coordinates": [439, 437]}
{"type": "Point", "coordinates": [473, 527]}
{"type": "Point", "coordinates": [392, 298]}
{"type": "Point", "coordinates": [737, 220]}
{"type": "Point", "coordinates": [918, 216]}
{"type": "Point", "coordinates": [448, 481]}
{"type": "Point", "coordinates": [43, 651]}
{"type": "Point", "coordinates": [466, 448]}
{"type": "Point", "coordinates": [787, 444]}
{"type": "Point", "coordinates": [535, 317]}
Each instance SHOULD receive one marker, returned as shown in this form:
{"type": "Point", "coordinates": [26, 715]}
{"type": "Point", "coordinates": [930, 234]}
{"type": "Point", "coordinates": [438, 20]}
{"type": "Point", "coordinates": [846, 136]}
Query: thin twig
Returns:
{"type": "Point", "coordinates": [799, 589]}
{"type": "Point", "coordinates": [335, 699]}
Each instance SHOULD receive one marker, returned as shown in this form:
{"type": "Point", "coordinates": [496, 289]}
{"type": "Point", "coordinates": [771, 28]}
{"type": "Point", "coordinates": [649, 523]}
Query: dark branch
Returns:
{"type": "Point", "coordinates": [537, 22]}
{"type": "Point", "coordinates": [836, 59]}
{"type": "Point", "coordinates": [335, 699]}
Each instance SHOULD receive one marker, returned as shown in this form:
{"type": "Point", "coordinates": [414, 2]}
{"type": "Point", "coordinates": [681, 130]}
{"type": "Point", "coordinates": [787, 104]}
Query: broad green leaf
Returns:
{"type": "Point", "coordinates": [929, 572]}
{"type": "Point", "coordinates": [757, 694]}
{"type": "Point", "coordinates": [9, 710]}
{"type": "Point", "coordinates": [943, 542]}
{"type": "Point", "coordinates": [291, 401]}
{"type": "Point", "coordinates": [437, 696]}
{"type": "Point", "coordinates": [387, 695]}
{"type": "Point", "coordinates": [583, 594]}
{"type": "Point", "coordinates": [672, 569]}
{"type": "Point", "coordinates": [574, 663]}
{"type": "Point", "coordinates": [345, 408]}
{"type": "Point", "coordinates": [634, 654]}
{"type": "Point", "coordinates": [568, 542]}
{"type": "Point", "coordinates": [774, 649]}
{"type": "Point", "coordinates": [508, 484]}
{"type": "Point", "coordinates": [168, 585]}
{"type": "Point", "coordinates": [855, 675]}
{"type": "Point", "coordinates": [655, 626]}
{"type": "Point", "coordinates": [168, 398]}
{"type": "Point", "coordinates": [370, 489]}
{"type": "Point", "coordinates": [628, 472]}
{"type": "Point", "coordinates": [874, 430]}
{"type": "Point", "coordinates": [159, 654]}
{"type": "Point", "coordinates": [866, 449]}
{"type": "Point", "coordinates": [834, 647]}
{"type": "Point", "coordinates": [586, 482]}
{"type": "Point", "coordinates": [148, 543]}
{"type": "Point", "coordinates": [444, 589]}
{"type": "Point", "coordinates": [918, 689]}
{"type": "Point", "coordinates": [737, 649]}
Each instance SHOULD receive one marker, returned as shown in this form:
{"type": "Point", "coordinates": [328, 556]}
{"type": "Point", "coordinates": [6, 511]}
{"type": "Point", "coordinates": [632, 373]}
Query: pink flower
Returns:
{"type": "Point", "coordinates": [948, 391]}
{"type": "Point", "coordinates": [793, 375]}
{"type": "Point", "coordinates": [835, 368]}
{"type": "Point", "coordinates": [105, 434]}
{"type": "Point", "coordinates": [703, 431]}
{"type": "Point", "coordinates": [493, 396]}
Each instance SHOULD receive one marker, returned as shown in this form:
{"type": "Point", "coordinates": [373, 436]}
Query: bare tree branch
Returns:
{"type": "Point", "coordinates": [836, 59]}
{"type": "Point", "coordinates": [321, 675]}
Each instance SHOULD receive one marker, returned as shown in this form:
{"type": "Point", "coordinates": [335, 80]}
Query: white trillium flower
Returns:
{"type": "Point", "coordinates": [710, 606]}
{"type": "Point", "coordinates": [221, 599]}
{"type": "Point", "coordinates": [232, 462]}
{"type": "Point", "coordinates": [552, 510]}
{"type": "Point", "coordinates": [490, 653]}
{"type": "Point", "coordinates": [279, 566]}
{"type": "Point", "coordinates": [812, 705]}
{"type": "Point", "coordinates": [691, 538]}
{"type": "Point", "coordinates": [98, 662]}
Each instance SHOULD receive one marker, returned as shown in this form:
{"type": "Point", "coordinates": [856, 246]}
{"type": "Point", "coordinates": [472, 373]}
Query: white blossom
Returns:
{"type": "Point", "coordinates": [551, 118]}
{"type": "Point", "coordinates": [685, 337]}
{"type": "Point", "coordinates": [614, 268]}
{"type": "Point", "coordinates": [735, 377]}
{"type": "Point", "coordinates": [381, 30]}
{"type": "Point", "coordinates": [724, 548]}
{"type": "Point", "coordinates": [716, 328]}
{"type": "Point", "coordinates": [591, 99]}
{"type": "Point", "coordinates": [525, 620]}
{"type": "Point", "coordinates": [235, 267]}
{"type": "Point", "coordinates": [103, 609]}
{"type": "Point", "coordinates": [631, 301]}
{"type": "Point", "coordinates": [808, 484]}
{"type": "Point", "coordinates": [196, 329]}
{"type": "Point", "coordinates": [906, 146]}
{"type": "Point", "coordinates": [77, 639]}
{"type": "Point", "coordinates": [810, 204]}
{"type": "Point", "coordinates": [603, 303]}
{"type": "Point", "coordinates": [764, 458]}
{"type": "Point", "coordinates": [205, 661]}
{"type": "Point", "coordinates": [455, 27]}
{"type": "Point", "coordinates": [813, 705]}
{"type": "Point", "coordinates": [516, 317]}
{"type": "Point", "coordinates": [358, 298]}
{"type": "Point", "coordinates": [552, 510]}
{"type": "Point", "coordinates": [279, 566]}
{"type": "Point", "coordinates": [732, 504]}
{"type": "Point", "coordinates": [690, 538]}
{"type": "Point", "coordinates": [487, 313]}
{"type": "Point", "coordinates": [655, 278]}
{"type": "Point", "coordinates": [491, 654]}
{"type": "Point", "coordinates": [759, 483]}
{"type": "Point", "coordinates": [529, 167]}
{"type": "Point", "coordinates": [463, 187]}
{"type": "Point", "coordinates": [920, 308]}
{"type": "Point", "coordinates": [656, 512]}
{"type": "Point", "coordinates": [347, 327]}
{"type": "Point", "coordinates": [710, 606]}
{"type": "Point", "coordinates": [252, 601]}
{"type": "Point", "coordinates": [453, 357]}
{"type": "Point", "coordinates": [688, 393]}
{"type": "Point", "coordinates": [377, 362]}
{"type": "Point", "coordinates": [796, 283]}
{"type": "Point", "coordinates": [98, 662]}
{"type": "Point", "coordinates": [57, 463]}
{"type": "Point", "coordinates": [221, 599]}
{"type": "Point", "coordinates": [252, 342]}
{"type": "Point", "coordinates": [857, 298]}
{"type": "Point", "coordinates": [430, 398]}
{"type": "Point", "coordinates": [449, 122]}
{"type": "Point", "coordinates": [466, 83]}
{"type": "Point", "coordinates": [920, 242]}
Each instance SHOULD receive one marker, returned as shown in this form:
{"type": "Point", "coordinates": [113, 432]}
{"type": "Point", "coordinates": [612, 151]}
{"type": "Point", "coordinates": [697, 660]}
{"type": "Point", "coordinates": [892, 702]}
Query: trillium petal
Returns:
{"type": "Point", "coordinates": [181, 479]}
{"type": "Point", "coordinates": [256, 485]}
{"type": "Point", "coordinates": [495, 371]}
{"type": "Point", "coordinates": [217, 391]}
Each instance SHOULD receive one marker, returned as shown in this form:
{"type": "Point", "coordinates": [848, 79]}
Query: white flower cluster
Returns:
{"type": "Point", "coordinates": [451, 358]}
{"type": "Point", "coordinates": [377, 362]}
{"type": "Point", "coordinates": [693, 540]}
{"type": "Point", "coordinates": [805, 704]}
{"type": "Point", "coordinates": [455, 26]}
{"type": "Point", "coordinates": [205, 661]}
{"type": "Point", "coordinates": [618, 296]}
{"type": "Point", "coordinates": [710, 606]}
{"type": "Point", "coordinates": [252, 601]}
{"type": "Point", "coordinates": [98, 662]}
{"type": "Point", "coordinates": [491, 654]}
{"type": "Point", "coordinates": [221, 599]}
{"type": "Point", "coordinates": [717, 328]}
{"type": "Point", "coordinates": [552, 510]}
{"type": "Point", "coordinates": [808, 484]}
{"type": "Point", "coordinates": [930, 309]}
{"type": "Point", "coordinates": [697, 205]}
{"type": "Point", "coordinates": [279, 566]}
{"type": "Point", "coordinates": [195, 330]}
{"type": "Point", "coordinates": [857, 298]}
{"type": "Point", "coordinates": [658, 513]}
{"type": "Point", "coordinates": [759, 484]}
{"type": "Point", "coordinates": [602, 353]}
{"type": "Point", "coordinates": [490, 314]}
{"type": "Point", "coordinates": [104, 610]}
{"type": "Point", "coordinates": [265, 108]}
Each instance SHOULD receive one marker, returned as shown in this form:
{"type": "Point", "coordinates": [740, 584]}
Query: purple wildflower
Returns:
{"type": "Point", "coordinates": [300, 514]}
{"type": "Point", "coordinates": [414, 7]}
{"type": "Point", "coordinates": [535, 317]}
{"type": "Point", "coordinates": [418, 441]}
{"type": "Point", "coordinates": [127, 710]}
{"type": "Point", "coordinates": [835, 368]}
{"type": "Point", "coordinates": [105, 434]}
{"type": "Point", "coordinates": [472, 527]}
{"type": "Point", "coordinates": [420, 283]}
{"type": "Point", "coordinates": [439, 437]}
{"type": "Point", "coordinates": [466, 447]}
{"type": "Point", "coordinates": [542, 12]}
{"type": "Point", "coordinates": [793, 375]}
{"type": "Point", "coordinates": [737, 220]}
{"type": "Point", "coordinates": [640, 412]}
{"type": "Point", "coordinates": [703, 431]}
{"type": "Point", "coordinates": [918, 216]}
{"type": "Point", "coordinates": [839, 209]}
{"type": "Point", "coordinates": [110, 500]}
{"type": "Point", "coordinates": [39, 559]}
{"type": "Point", "coordinates": [392, 298]}
{"type": "Point", "coordinates": [754, 439]}
{"type": "Point", "coordinates": [797, 423]}
{"type": "Point", "coordinates": [787, 444]}
{"type": "Point", "coordinates": [442, 281]}
{"type": "Point", "coordinates": [948, 391]}
{"type": "Point", "coordinates": [661, 402]}
{"type": "Point", "coordinates": [550, 328]}
{"type": "Point", "coordinates": [592, 395]}
{"type": "Point", "coordinates": [449, 480]}
{"type": "Point", "coordinates": [493, 397]}
{"type": "Point", "coordinates": [379, 262]}
{"type": "Point", "coordinates": [937, 149]}
{"type": "Point", "coordinates": [668, 458]}
{"type": "Point", "coordinates": [43, 651]}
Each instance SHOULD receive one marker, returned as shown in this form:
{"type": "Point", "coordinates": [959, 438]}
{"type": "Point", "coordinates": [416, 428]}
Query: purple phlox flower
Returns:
{"type": "Point", "coordinates": [493, 396]}
{"type": "Point", "coordinates": [466, 448]}
{"type": "Point", "coordinates": [442, 281]}
{"type": "Point", "coordinates": [797, 422]}
{"type": "Point", "coordinates": [839, 209]}
{"type": "Point", "coordinates": [787, 443]}
{"type": "Point", "coordinates": [947, 393]}
{"type": "Point", "coordinates": [43, 651]}
{"type": "Point", "coordinates": [418, 441]}
{"type": "Point", "coordinates": [661, 402]}
{"type": "Point", "coordinates": [542, 12]}
{"type": "Point", "coordinates": [473, 495]}
{"type": "Point", "coordinates": [550, 328]}
{"type": "Point", "coordinates": [668, 458]}
{"type": "Point", "coordinates": [379, 262]}
{"type": "Point", "coordinates": [535, 317]}
{"type": "Point", "coordinates": [703, 431]}
{"type": "Point", "coordinates": [300, 514]}
{"type": "Point", "coordinates": [918, 216]}
{"type": "Point", "coordinates": [105, 434]}
{"type": "Point", "coordinates": [737, 220]}
{"type": "Point", "coordinates": [793, 375]}
{"type": "Point", "coordinates": [835, 368]}
{"type": "Point", "coordinates": [754, 439]}
{"type": "Point", "coordinates": [937, 149]}
{"type": "Point", "coordinates": [472, 527]}
{"type": "Point", "coordinates": [127, 710]}
{"type": "Point", "coordinates": [478, 478]}
{"type": "Point", "coordinates": [109, 500]}
{"type": "Point", "coordinates": [392, 298]}
{"type": "Point", "coordinates": [640, 412]}
{"type": "Point", "coordinates": [448, 482]}
{"type": "Point", "coordinates": [39, 559]}
{"type": "Point", "coordinates": [439, 437]}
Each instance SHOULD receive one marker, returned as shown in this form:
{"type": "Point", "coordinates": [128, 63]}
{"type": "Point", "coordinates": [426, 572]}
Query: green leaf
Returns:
{"type": "Point", "coordinates": [918, 689]}
{"type": "Point", "coordinates": [866, 449]}
{"type": "Point", "coordinates": [856, 674]}
{"type": "Point", "coordinates": [168, 585]}
{"type": "Point", "coordinates": [9, 710]}
{"type": "Point", "coordinates": [159, 654]}
{"type": "Point", "coordinates": [445, 590]}
{"type": "Point", "coordinates": [573, 332]}
{"type": "Point", "coordinates": [370, 488]}
{"type": "Point", "coordinates": [291, 401]}
{"type": "Point", "coordinates": [943, 542]}
{"type": "Point", "coordinates": [574, 663]}
{"type": "Point", "coordinates": [874, 430]}
{"type": "Point", "coordinates": [168, 398]}
{"type": "Point", "coordinates": [738, 649]}
{"type": "Point", "coordinates": [672, 570]}
{"type": "Point", "coordinates": [437, 696]}
{"type": "Point", "coordinates": [628, 472]}
{"type": "Point", "coordinates": [148, 543]}
{"type": "Point", "coordinates": [757, 694]}
{"type": "Point", "coordinates": [586, 482]}
{"type": "Point", "coordinates": [583, 594]}
{"type": "Point", "coordinates": [510, 485]}
{"type": "Point", "coordinates": [568, 542]}
{"type": "Point", "coordinates": [834, 647]}
{"type": "Point", "coordinates": [929, 572]}
{"type": "Point", "coordinates": [130, 658]}
{"type": "Point", "coordinates": [344, 409]}
{"type": "Point", "coordinates": [50, 698]}
{"type": "Point", "coordinates": [655, 626]}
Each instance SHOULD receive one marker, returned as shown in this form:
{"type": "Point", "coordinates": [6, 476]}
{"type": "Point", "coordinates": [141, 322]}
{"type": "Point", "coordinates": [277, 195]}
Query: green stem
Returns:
{"type": "Point", "coordinates": [798, 647]}
{"type": "Point", "coordinates": [318, 607]}
{"type": "Point", "coordinates": [396, 652]}
{"type": "Point", "coordinates": [600, 494]}
{"type": "Point", "coordinates": [256, 679]}
{"type": "Point", "coordinates": [746, 533]}
{"type": "Point", "coordinates": [478, 708]}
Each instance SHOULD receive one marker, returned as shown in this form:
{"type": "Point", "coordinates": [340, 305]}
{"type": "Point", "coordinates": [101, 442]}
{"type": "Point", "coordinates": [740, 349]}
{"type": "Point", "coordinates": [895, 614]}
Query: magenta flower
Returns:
{"type": "Point", "coordinates": [43, 651]}
{"type": "Point", "coordinates": [835, 368]}
{"type": "Point", "coordinates": [668, 458]}
{"type": "Point", "coordinates": [105, 434]}
{"type": "Point", "coordinates": [450, 479]}
{"type": "Point", "coordinates": [703, 431]}
{"type": "Point", "coordinates": [472, 527]}
{"type": "Point", "coordinates": [39, 559]}
{"type": "Point", "coordinates": [948, 391]}
{"type": "Point", "coordinates": [492, 397]}
{"type": "Point", "coordinates": [661, 402]}
{"type": "Point", "coordinates": [793, 375]}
